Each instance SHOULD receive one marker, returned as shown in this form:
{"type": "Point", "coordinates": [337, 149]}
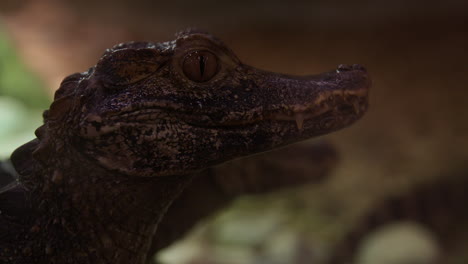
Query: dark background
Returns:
{"type": "Point", "coordinates": [415, 130]}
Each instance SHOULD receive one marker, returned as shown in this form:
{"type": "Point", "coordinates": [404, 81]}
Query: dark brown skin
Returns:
{"type": "Point", "coordinates": [121, 141]}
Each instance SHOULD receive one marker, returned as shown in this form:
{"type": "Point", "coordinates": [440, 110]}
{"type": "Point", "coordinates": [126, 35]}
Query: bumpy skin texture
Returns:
{"type": "Point", "coordinates": [122, 140]}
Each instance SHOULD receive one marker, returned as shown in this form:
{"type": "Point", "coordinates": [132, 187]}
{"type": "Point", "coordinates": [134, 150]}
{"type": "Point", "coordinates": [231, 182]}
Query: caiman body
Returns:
{"type": "Point", "coordinates": [122, 140]}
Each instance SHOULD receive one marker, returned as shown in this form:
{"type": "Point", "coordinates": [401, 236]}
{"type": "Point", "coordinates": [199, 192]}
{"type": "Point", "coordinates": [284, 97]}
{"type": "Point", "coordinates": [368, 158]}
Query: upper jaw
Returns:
{"type": "Point", "coordinates": [351, 108]}
{"type": "Point", "coordinates": [340, 94]}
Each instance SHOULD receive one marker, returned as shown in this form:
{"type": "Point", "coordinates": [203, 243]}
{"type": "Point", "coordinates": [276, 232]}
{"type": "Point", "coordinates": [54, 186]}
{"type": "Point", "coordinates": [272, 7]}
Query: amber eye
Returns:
{"type": "Point", "coordinates": [200, 66]}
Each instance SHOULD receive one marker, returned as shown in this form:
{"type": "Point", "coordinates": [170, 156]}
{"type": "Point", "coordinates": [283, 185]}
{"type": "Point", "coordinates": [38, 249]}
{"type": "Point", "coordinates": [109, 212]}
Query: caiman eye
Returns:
{"type": "Point", "coordinates": [200, 66]}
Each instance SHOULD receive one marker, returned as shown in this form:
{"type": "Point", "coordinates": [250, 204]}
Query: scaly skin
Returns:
{"type": "Point", "coordinates": [121, 141]}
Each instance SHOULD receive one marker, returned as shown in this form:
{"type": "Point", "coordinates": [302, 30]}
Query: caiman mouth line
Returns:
{"type": "Point", "coordinates": [331, 105]}
{"type": "Point", "coordinates": [335, 103]}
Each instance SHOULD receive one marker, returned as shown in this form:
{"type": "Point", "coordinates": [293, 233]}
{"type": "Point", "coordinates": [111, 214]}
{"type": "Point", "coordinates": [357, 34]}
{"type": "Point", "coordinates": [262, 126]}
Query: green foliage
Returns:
{"type": "Point", "coordinates": [22, 100]}
{"type": "Point", "coordinates": [16, 81]}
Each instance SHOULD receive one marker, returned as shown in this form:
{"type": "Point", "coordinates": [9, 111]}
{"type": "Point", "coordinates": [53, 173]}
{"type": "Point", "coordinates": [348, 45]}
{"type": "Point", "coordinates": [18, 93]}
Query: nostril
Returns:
{"type": "Point", "coordinates": [344, 67]}
{"type": "Point", "coordinates": [359, 67]}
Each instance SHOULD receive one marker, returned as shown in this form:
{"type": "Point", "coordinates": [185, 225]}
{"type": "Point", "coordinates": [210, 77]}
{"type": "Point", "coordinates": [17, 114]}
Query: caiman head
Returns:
{"type": "Point", "coordinates": [154, 109]}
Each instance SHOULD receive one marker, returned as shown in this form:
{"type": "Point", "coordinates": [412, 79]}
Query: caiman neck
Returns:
{"type": "Point", "coordinates": [91, 214]}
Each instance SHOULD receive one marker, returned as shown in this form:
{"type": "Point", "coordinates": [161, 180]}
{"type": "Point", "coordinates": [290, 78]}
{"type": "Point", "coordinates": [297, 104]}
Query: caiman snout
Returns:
{"type": "Point", "coordinates": [345, 67]}
{"type": "Point", "coordinates": [324, 102]}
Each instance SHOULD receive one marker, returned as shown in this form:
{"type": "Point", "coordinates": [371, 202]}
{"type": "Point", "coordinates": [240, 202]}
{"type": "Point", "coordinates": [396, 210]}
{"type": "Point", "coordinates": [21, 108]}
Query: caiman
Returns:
{"type": "Point", "coordinates": [121, 142]}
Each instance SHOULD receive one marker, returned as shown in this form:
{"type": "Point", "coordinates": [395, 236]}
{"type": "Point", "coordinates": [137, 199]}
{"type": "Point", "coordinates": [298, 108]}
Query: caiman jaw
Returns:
{"type": "Point", "coordinates": [340, 95]}
{"type": "Point", "coordinates": [339, 98]}
{"type": "Point", "coordinates": [337, 103]}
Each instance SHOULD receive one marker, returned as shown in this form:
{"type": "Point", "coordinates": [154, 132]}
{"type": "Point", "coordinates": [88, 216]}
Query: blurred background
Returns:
{"type": "Point", "coordinates": [415, 131]}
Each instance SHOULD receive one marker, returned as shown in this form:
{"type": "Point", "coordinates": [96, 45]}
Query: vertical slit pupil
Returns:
{"type": "Point", "coordinates": [202, 61]}
{"type": "Point", "coordinates": [200, 66]}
